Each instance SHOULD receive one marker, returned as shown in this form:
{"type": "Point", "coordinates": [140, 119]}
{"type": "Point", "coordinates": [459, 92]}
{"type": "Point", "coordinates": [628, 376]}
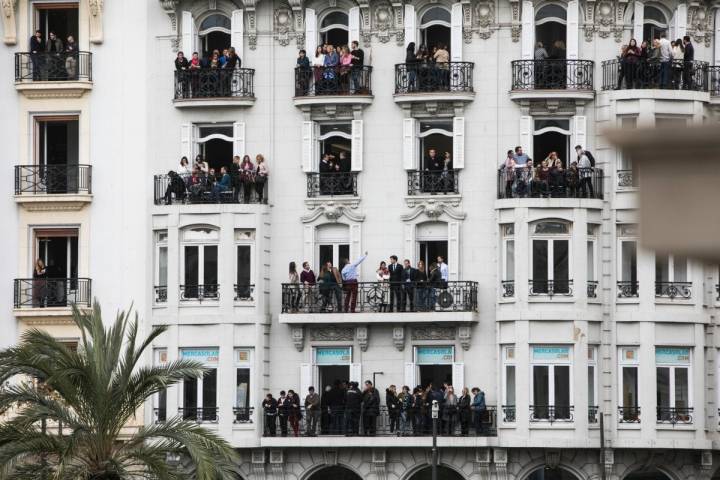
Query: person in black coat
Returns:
{"type": "Point", "coordinates": [37, 46]}
{"type": "Point", "coordinates": [689, 62]}
{"type": "Point", "coordinates": [371, 408]}
{"type": "Point", "coordinates": [353, 405]}
{"type": "Point", "coordinates": [270, 410]}
{"type": "Point", "coordinates": [394, 405]}
{"type": "Point", "coordinates": [409, 277]}
{"type": "Point", "coordinates": [411, 62]}
{"type": "Point", "coordinates": [336, 403]}
{"type": "Point", "coordinates": [396, 278]}
{"type": "Point", "coordinates": [284, 404]}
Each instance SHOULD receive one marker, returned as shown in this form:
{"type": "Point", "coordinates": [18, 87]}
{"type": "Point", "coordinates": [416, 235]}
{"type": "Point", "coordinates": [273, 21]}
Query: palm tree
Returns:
{"type": "Point", "coordinates": [93, 391]}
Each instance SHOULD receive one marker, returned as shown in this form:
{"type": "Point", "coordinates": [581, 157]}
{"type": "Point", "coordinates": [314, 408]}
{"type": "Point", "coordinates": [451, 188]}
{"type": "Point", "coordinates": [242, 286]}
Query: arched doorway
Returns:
{"type": "Point", "coordinates": [334, 29]}
{"type": "Point", "coordinates": [443, 473]}
{"type": "Point", "coordinates": [547, 473]}
{"type": "Point", "coordinates": [551, 30]}
{"type": "Point", "coordinates": [653, 474]}
{"type": "Point", "coordinates": [214, 34]}
{"type": "Point", "coordinates": [333, 244]}
{"type": "Point", "coordinates": [215, 144]}
{"type": "Point", "coordinates": [334, 473]}
{"type": "Point", "coordinates": [655, 23]}
{"type": "Point", "coordinates": [552, 135]}
{"type": "Point", "coordinates": [435, 28]}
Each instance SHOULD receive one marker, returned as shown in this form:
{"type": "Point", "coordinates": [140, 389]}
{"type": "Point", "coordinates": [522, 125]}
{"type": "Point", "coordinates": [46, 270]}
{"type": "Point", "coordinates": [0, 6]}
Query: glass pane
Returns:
{"type": "Point", "coordinates": [652, 13]}
{"type": "Point", "coordinates": [561, 265]}
{"type": "Point", "coordinates": [510, 260]}
{"type": "Point", "coordinates": [215, 21]}
{"type": "Point", "coordinates": [591, 385]}
{"type": "Point", "coordinates": [562, 391]}
{"type": "Point", "coordinates": [191, 265]}
{"type": "Point", "coordinates": [591, 261]}
{"type": "Point", "coordinates": [243, 265]}
{"type": "Point", "coordinates": [326, 255]}
{"type": "Point", "coordinates": [682, 398]}
{"type": "Point", "coordinates": [436, 14]}
{"type": "Point", "coordinates": [629, 261]}
{"type": "Point", "coordinates": [344, 252]}
{"type": "Point", "coordinates": [162, 266]}
{"type": "Point", "coordinates": [540, 266]}
{"type": "Point", "coordinates": [210, 271]}
{"type": "Point", "coordinates": [242, 388]}
{"type": "Point", "coordinates": [663, 392]}
{"type": "Point", "coordinates": [336, 127]}
{"type": "Point", "coordinates": [162, 406]}
{"type": "Point", "coordinates": [335, 18]}
{"type": "Point", "coordinates": [541, 391]}
{"type": "Point", "coordinates": [680, 268]}
{"type": "Point", "coordinates": [510, 385]}
{"type": "Point", "coordinates": [189, 397]}
{"type": "Point", "coordinates": [662, 270]}
{"type": "Point", "coordinates": [222, 130]}
{"type": "Point", "coordinates": [547, 228]}
{"type": "Point", "coordinates": [209, 389]}
{"type": "Point", "coordinates": [630, 387]}
{"type": "Point", "coordinates": [551, 10]}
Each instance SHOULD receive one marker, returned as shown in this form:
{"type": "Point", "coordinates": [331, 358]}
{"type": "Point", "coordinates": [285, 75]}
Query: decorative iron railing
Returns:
{"type": "Point", "coordinates": [53, 67]}
{"type": "Point", "coordinates": [53, 179]}
{"type": "Point", "coordinates": [628, 414]}
{"type": "Point", "coordinates": [424, 182]}
{"type": "Point", "coordinates": [593, 414]}
{"type": "Point", "coordinates": [214, 83]}
{"type": "Point", "coordinates": [714, 79]}
{"type": "Point", "coordinates": [592, 286]}
{"type": "Point", "coordinates": [331, 184]}
{"type": "Point", "coordinates": [200, 415]}
{"type": "Point", "coordinates": [434, 77]}
{"type": "Point", "coordinates": [675, 415]}
{"type": "Point", "coordinates": [552, 74]}
{"type": "Point", "coordinates": [626, 179]}
{"type": "Point", "coordinates": [380, 297]}
{"type": "Point", "coordinates": [355, 422]}
{"type": "Point", "coordinates": [673, 290]}
{"type": "Point", "coordinates": [338, 80]}
{"type": "Point", "coordinates": [550, 287]}
{"type": "Point", "coordinates": [509, 413]}
{"type": "Point", "coordinates": [651, 74]}
{"type": "Point", "coordinates": [522, 182]}
{"type": "Point", "coordinates": [199, 293]}
{"type": "Point", "coordinates": [244, 293]}
{"type": "Point", "coordinates": [52, 292]}
{"type": "Point", "coordinates": [160, 293]}
{"type": "Point", "coordinates": [508, 288]}
{"type": "Point", "coordinates": [552, 413]}
{"type": "Point", "coordinates": [627, 289]}
{"type": "Point", "coordinates": [243, 414]}
{"type": "Point", "coordinates": [174, 188]}
{"type": "Point", "coordinates": [160, 415]}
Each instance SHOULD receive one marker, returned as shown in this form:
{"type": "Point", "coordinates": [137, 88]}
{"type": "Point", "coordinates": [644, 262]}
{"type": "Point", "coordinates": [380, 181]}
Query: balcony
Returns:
{"type": "Point", "coordinates": [42, 187]}
{"type": "Point", "coordinates": [508, 288]}
{"type": "Point", "coordinates": [332, 184]}
{"type": "Point", "coordinates": [552, 79]}
{"type": "Point", "coordinates": [509, 413]}
{"type": "Point", "coordinates": [714, 82]}
{"type": "Point", "coordinates": [191, 190]}
{"type": "Point", "coordinates": [41, 293]}
{"type": "Point", "coordinates": [374, 302]}
{"type": "Point", "coordinates": [593, 414]}
{"type": "Point", "coordinates": [451, 82]}
{"type": "Point", "coordinates": [626, 179]}
{"type": "Point", "coordinates": [564, 184]}
{"type": "Point", "coordinates": [673, 290]}
{"type": "Point", "coordinates": [551, 413]}
{"type": "Point", "coordinates": [592, 286]}
{"type": "Point", "coordinates": [674, 416]}
{"type": "Point", "coordinates": [333, 85]}
{"type": "Point", "coordinates": [550, 288]}
{"type": "Point", "coordinates": [628, 414]}
{"type": "Point", "coordinates": [627, 289]}
{"type": "Point", "coordinates": [243, 415]}
{"type": "Point", "coordinates": [214, 87]}
{"type": "Point", "coordinates": [427, 182]}
{"type": "Point", "coordinates": [691, 76]}
{"type": "Point", "coordinates": [49, 75]}
{"type": "Point", "coordinates": [199, 293]}
{"type": "Point", "coordinates": [200, 415]}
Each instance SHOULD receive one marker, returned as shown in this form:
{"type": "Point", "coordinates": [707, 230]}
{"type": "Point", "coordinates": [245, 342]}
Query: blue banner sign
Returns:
{"type": "Point", "coordinates": [672, 355]}
{"type": "Point", "coordinates": [551, 353]}
{"type": "Point", "coordinates": [206, 356]}
{"type": "Point", "coordinates": [333, 356]}
{"type": "Point", "coordinates": [434, 355]}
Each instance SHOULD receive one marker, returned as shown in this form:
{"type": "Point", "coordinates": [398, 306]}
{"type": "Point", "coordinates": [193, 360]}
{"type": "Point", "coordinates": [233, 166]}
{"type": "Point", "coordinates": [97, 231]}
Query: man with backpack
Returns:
{"type": "Point", "coordinates": [586, 164]}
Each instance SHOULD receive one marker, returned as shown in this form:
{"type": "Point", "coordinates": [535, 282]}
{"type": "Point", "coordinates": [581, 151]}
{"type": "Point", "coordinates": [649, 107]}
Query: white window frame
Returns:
{"type": "Point", "coordinates": [200, 381]}
{"type": "Point", "coordinates": [160, 244]}
{"type": "Point", "coordinates": [320, 149]}
{"type": "Point", "coordinates": [335, 242]}
{"type": "Point", "coordinates": [551, 364]}
{"type": "Point", "coordinates": [160, 358]}
{"type": "Point", "coordinates": [551, 238]}
{"type": "Point", "coordinates": [321, 31]}
{"type": "Point", "coordinates": [508, 360]}
{"type": "Point", "coordinates": [420, 138]}
{"type": "Point", "coordinates": [673, 367]}
{"type": "Point", "coordinates": [507, 272]}
{"type": "Point", "coordinates": [623, 236]}
{"type": "Point", "coordinates": [624, 362]}
{"type": "Point", "coordinates": [201, 244]}
{"type": "Point", "coordinates": [244, 242]}
{"type": "Point", "coordinates": [593, 379]}
{"type": "Point", "coordinates": [197, 141]}
{"type": "Point", "coordinates": [671, 269]}
{"type": "Point", "coordinates": [562, 21]}
{"type": "Point", "coordinates": [244, 365]}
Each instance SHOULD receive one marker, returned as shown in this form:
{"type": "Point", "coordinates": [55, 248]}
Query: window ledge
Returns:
{"type": "Point", "coordinates": [214, 102]}
{"type": "Point", "coordinates": [196, 303]}
{"type": "Point", "coordinates": [553, 299]}
{"type": "Point", "coordinates": [629, 426]}
{"type": "Point", "coordinates": [442, 96]}
{"type": "Point", "coordinates": [312, 100]}
{"type": "Point", "coordinates": [552, 426]}
{"type": "Point", "coordinates": [507, 300]}
{"type": "Point", "coordinates": [668, 427]}
{"type": "Point", "coordinates": [552, 94]}
{"type": "Point", "coordinates": [378, 318]}
{"type": "Point", "coordinates": [628, 301]}
{"type": "Point", "coordinates": [53, 202]}
{"type": "Point", "coordinates": [678, 301]}
{"type": "Point", "coordinates": [39, 89]}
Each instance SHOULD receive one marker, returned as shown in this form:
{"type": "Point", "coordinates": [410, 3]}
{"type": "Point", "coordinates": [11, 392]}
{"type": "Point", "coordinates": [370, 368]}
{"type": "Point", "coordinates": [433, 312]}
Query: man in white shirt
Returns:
{"type": "Point", "coordinates": [665, 61]}
{"type": "Point", "coordinates": [349, 275]}
{"type": "Point", "coordinates": [585, 170]}
{"type": "Point", "coordinates": [444, 271]}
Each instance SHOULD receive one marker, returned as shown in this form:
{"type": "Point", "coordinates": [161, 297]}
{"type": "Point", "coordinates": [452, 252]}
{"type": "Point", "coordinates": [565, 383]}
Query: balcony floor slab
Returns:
{"type": "Point", "coordinates": [377, 318]}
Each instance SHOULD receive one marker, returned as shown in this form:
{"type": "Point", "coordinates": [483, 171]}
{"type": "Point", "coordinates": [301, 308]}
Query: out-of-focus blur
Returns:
{"type": "Point", "coordinates": [679, 188]}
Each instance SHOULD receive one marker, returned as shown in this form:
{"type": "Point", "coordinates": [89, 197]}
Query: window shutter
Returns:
{"type": "Point", "coordinates": [410, 29]}
{"type": "Point", "coordinates": [459, 142]}
{"type": "Point", "coordinates": [305, 377]}
{"type": "Point", "coordinates": [308, 146]}
{"type": "Point", "coordinates": [355, 240]}
{"type": "Point", "coordinates": [239, 138]}
{"type": "Point", "coordinates": [186, 142]}
{"type": "Point", "coordinates": [353, 25]}
{"type": "Point", "coordinates": [638, 22]}
{"type": "Point", "coordinates": [573, 29]}
{"type": "Point", "coordinates": [308, 244]}
{"type": "Point", "coordinates": [236, 32]}
{"type": "Point", "coordinates": [310, 32]}
{"type": "Point", "coordinates": [526, 134]}
{"type": "Point", "coordinates": [681, 21]}
{"type": "Point", "coordinates": [356, 146]}
{"type": "Point", "coordinates": [579, 131]}
{"type": "Point", "coordinates": [456, 32]}
{"type": "Point", "coordinates": [410, 375]}
{"type": "Point", "coordinates": [453, 259]}
{"type": "Point", "coordinates": [356, 373]}
{"type": "Point", "coordinates": [673, 25]}
{"type": "Point", "coordinates": [409, 144]}
{"type": "Point", "coordinates": [528, 30]}
{"type": "Point", "coordinates": [188, 34]}
{"type": "Point", "coordinates": [458, 374]}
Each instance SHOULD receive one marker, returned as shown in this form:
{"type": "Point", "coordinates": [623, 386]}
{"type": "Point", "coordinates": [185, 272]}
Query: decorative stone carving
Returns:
{"type": "Point", "coordinates": [604, 17]}
{"type": "Point", "coordinates": [399, 338]}
{"type": "Point", "coordinates": [365, 27]}
{"type": "Point", "coordinates": [277, 460]}
{"type": "Point", "coordinates": [8, 17]}
{"type": "Point", "coordinates": [333, 210]}
{"type": "Point", "coordinates": [283, 24]}
{"type": "Point", "coordinates": [699, 24]}
{"type": "Point", "coordinates": [96, 21]}
{"type": "Point", "coordinates": [500, 459]}
{"type": "Point", "coordinates": [399, 10]}
{"type": "Point", "coordinates": [464, 335]}
{"type": "Point", "coordinates": [515, 20]}
{"type": "Point", "coordinates": [467, 22]}
{"type": "Point", "coordinates": [485, 18]}
{"type": "Point", "coordinates": [257, 463]}
{"type": "Point", "coordinates": [361, 335]}
{"type": "Point", "coordinates": [552, 458]}
{"type": "Point", "coordinates": [433, 333]}
{"type": "Point", "coordinates": [251, 23]}
{"type": "Point", "coordinates": [379, 462]}
{"type": "Point", "coordinates": [298, 337]}
{"type": "Point", "coordinates": [433, 209]}
{"type": "Point", "coordinates": [332, 333]}
{"type": "Point", "coordinates": [170, 7]}
{"type": "Point", "coordinates": [481, 465]}
{"type": "Point", "coordinates": [608, 462]}
{"type": "Point", "coordinates": [383, 22]}
{"type": "Point", "coordinates": [331, 457]}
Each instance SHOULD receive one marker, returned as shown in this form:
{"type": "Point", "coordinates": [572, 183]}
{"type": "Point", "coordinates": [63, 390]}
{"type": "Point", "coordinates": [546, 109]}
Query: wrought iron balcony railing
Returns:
{"type": "Point", "coordinates": [160, 293]}
{"type": "Point", "coordinates": [628, 414]}
{"type": "Point", "coordinates": [552, 74]}
{"type": "Point", "coordinates": [433, 78]}
{"type": "Point", "coordinates": [509, 413]}
{"type": "Point", "coordinates": [427, 182]}
{"type": "Point", "coordinates": [523, 182]}
{"type": "Point", "coordinates": [243, 414]}
{"type": "Point", "coordinates": [627, 289]}
{"type": "Point", "coordinates": [210, 292]}
{"type": "Point", "coordinates": [350, 422]}
{"type": "Point", "coordinates": [53, 67]}
{"type": "Point", "coordinates": [200, 415]}
{"type": "Point", "coordinates": [185, 189]}
{"type": "Point", "coordinates": [218, 83]}
{"type": "Point", "coordinates": [338, 80]}
{"type": "Point", "coordinates": [51, 292]}
{"type": "Point", "coordinates": [550, 287]}
{"type": "Point", "coordinates": [626, 179]}
{"type": "Point", "coordinates": [673, 290]}
{"type": "Point", "coordinates": [53, 179]}
{"type": "Point", "coordinates": [380, 297]}
{"type": "Point", "coordinates": [552, 413]}
{"type": "Point", "coordinates": [592, 286]}
{"type": "Point", "coordinates": [717, 291]}
{"type": "Point", "coordinates": [332, 184]}
{"type": "Point", "coordinates": [244, 293]}
{"type": "Point", "coordinates": [160, 415]}
{"type": "Point", "coordinates": [675, 415]}
{"type": "Point", "coordinates": [644, 73]}
{"type": "Point", "coordinates": [714, 79]}
{"type": "Point", "coordinates": [508, 288]}
{"type": "Point", "coordinates": [593, 414]}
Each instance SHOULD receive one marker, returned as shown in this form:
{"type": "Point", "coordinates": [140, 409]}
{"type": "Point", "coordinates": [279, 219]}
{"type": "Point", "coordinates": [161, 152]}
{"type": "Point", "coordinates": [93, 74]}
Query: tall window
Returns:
{"type": "Point", "coordinates": [627, 264]}
{"type": "Point", "coordinates": [56, 149]}
{"type": "Point", "coordinates": [551, 135]}
{"type": "Point", "coordinates": [654, 23]}
{"type": "Point", "coordinates": [592, 384]}
{"type": "Point", "coordinates": [508, 262]}
{"type": "Point", "coordinates": [160, 400]}
{"type": "Point", "coordinates": [244, 245]}
{"type": "Point", "coordinates": [436, 139]}
{"type": "Point", "coordinates": [214, 34]}
{"type": "Point", "coordinates": [199, 395]}
{"type": "Point", "coordinates": [334, 28]}
{"type": "Point", "coordinates": [629, 404]}
{"type": "Point", "coordinates": [243, 359]}
{"type": "Point", "coordinates": [509, 402]}
{"type": "Point", "coordinates": [627, 173]}
{"type": "Point", "coordinates": [336, 142]}
{"type": "Point", "coordinates": [161, 266]}
{"type": "Point", "coordinates": [215, 144]}
{"type": "Point", "coordinates": [432, 242]}
{"type": "Point", "coordinates": [551, 258]}
{"type": "Point", "coordinates": [551, 383]}
{"type": "Point", "coordinates": [200, 263]}
{"type": "Point", "coordinates": [674, 400]}
{"type": "Point", "coordinates": [435, 27]}
{"type": "Point", "coordinates": [333, 243]}
{"type": "Point", "coordinates": [592, 281]}
{"type": "Point", "coordinates": [671, 276]}
{"type": "Point", "coordinates": [58, 17]}
{"type": "Point", "coordinates": [551, 26]}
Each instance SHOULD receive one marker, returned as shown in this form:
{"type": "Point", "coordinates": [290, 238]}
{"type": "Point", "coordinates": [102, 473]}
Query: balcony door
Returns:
{"type": "Point", "coordinates": [58, 249]}
{"type": "Point", "coordinates": [435, 26]}
{"type": "Point", "coordinates": [58, 17]}
{"type": "Point", "coordinates": [215, 144]}
{"type": "Point", "coordinates": [552, 135]}
{"type": "Point", "coordinates": [437, 137]}
{"type": "Point", "coordinates": [56, 145]}
{"type": "Point", "coordinates": [432, 241]}
{"type": "Point", "coordinates": [334, 29]}
{"type": "Point", "coordinates": [333, 244]}
{"type": "Point", "coordinates": [214, 34]}
{"type": "Point", "coordinates": [551, 30]}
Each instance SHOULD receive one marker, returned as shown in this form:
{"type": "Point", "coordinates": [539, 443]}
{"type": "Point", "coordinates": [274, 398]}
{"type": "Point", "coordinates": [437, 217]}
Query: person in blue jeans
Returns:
{"type": "Point", "coordinates": [224, 184]}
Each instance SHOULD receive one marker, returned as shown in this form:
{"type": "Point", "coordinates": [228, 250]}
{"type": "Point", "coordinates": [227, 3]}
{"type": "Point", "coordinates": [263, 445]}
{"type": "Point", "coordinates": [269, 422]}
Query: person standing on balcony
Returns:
{"type": "Point", "coordinates": [270, 411]}
{"type": "Point", "coordinates": [295, 416]}
{"type": "Point", "coordinates": [233, 61]}
{"type": "Point", "coordinates": [39, 283]}
{"type": "Point", "coordinates": [540, 67]}
{"type": "Point", "coordinates": [450, 403]}
{"type": "Point", "coordinates": [665, 60]}
{"type": "Point", "coordinates": [689, 61]}
{"type": "Point", "coordinates": [312, 412]}
{"type": "Point", "coordinates": [396, 273]}
{"type": "Point", "coordinates": [678, 54]}
{"type": "Point", "coordinates": [507, 170]}
{"type": "Point", "coordinates": [71, 58]}
{"type": "Point", "coordinates": [330, 74]}
{"type": "Point", "coordinates": [585, 172]}
{"type": "Point", "coordinates": [353, 404]}
{"type": "Point", "coordinates": [441, 57]}
{"type": "Point", "coordinates": [464, 411]}
{"type": "Point", "coordinates": [393, 404]}
{"type": "Point", "coordinates": [318, 62]}
{"type": "Point", "coordinates": [357, 79]}
{"type": "Point", "coordinates": [304, 73]}
{"type": "Point", "coordinates": [247, 170]}
{"type": "Point", "coordinates": [520, 157]}
{"type": "Point", "coordinates": [261, 175]}
{"type": "Point", "coordinates": [444, 270]}
{"type": "Point", "coordinates": [382, 274]}
{"type": "Point", "coordinates": [371, 408]}
{"type": "Point", "coordinates": [629, 60]}
{"type": "Point", "coordinates": [406, 400]}
{"type": "Point", "coordinates": [411, 62]}
{"type": "Point", "coordinates": [55, 63]}
{"type": "Point", "coordinates": [293, 288]}
{"type": "Point", "coordinates": [408, 278]}
{"type": "Point", "coordinates": [479, 409]}
{"type": "Point", "coordinates": [37, 46]}
{"type": "Point", "coordinates": [558, 68]}
{"type": "Point", "coordinates": [350, 283]}
{"type": "Point", "coordinates": [283, 403]}
{"type": "Point", "coordinates": [421, 290]}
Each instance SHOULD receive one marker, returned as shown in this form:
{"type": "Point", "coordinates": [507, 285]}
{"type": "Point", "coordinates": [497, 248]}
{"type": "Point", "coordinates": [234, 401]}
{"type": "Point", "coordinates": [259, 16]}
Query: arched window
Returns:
{"type": "Point", "coordinates": [443, 473]}
{"type": "Point", "coordinates": [333, 244]}
{"type": "Point", "coordinates": [199, 266]}
{"type": "Point", "coordinates": [545, 473]}
{"type": "Point", "coordinates": [655, 23]}
{"type": "Point", "coordinates": [551, 29]}
{"type": "Point", "coordinates": [435, 28]}
{"type": "Point", "coordinates": [551, 135]}
{"type": "Point", "coordinates": [214, 34]}
{"type": "Point", "coordinates": [334, 28]}
{"type": "Point", "coordinates": [334, 473]}
{"type": "Point", "coordinates": [653, 474]}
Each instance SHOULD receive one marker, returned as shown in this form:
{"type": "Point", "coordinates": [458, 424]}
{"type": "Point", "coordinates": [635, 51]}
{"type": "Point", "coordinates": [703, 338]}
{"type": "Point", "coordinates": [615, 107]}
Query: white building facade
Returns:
{"type": "Point", "coordinates": [551, 306]}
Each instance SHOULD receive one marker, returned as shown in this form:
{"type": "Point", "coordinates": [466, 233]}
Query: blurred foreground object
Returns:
{"type": "Point", "coordinates": [679, 194]}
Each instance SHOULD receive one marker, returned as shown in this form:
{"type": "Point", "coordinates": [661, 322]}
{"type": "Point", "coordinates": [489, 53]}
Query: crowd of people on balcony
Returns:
{"type": "Point", "coordinates": [335, 176]}
{"type": "Point", "coordinates": [550, 178]}
{"type": "Point", "coordinates": [427, 69]}
{"type": "Point", "coordinates": [438, 176]}
{"type": "Point", "coordinates": [52, 59]}
{"type": "Point", "coordinates": [211, 76]}
{"type": "Point", "coordinates": [203, 184]}
{"type": "Point", "coordinates": [399, 287]}
{"type": "Point", "coordinates": [343, 409]}
{"type": "Point", "coordinates": [662, 64]}
{"type": "Point", "coordinates": [550, 70]}
{"type": "Point", "coordinates": [332, 70]}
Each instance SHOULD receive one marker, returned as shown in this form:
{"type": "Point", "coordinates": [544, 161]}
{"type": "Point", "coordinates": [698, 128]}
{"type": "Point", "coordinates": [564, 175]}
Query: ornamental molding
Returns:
{"type": "Point", "coordinates": [331, 333]}
{"type": "Point", "coordinates": [8, 18]}
{"type": "Point", "coordinates": [96, 21]}
{"type": "Point", "coordinates": [283, 25]}
{"type": "Point", "coordinates": [297, 333]}
{"type": "Point", "coordinates": [608, 462]}
{"type": "Point", "coordinates": [251, 21]}
{"type": "Point", "coordinates": [552, 458]}
{"type": "Point", "coordinates": [433, 333]}
{"type": "Point", "coordinates": [333, 210]}
{"type": "Point", "coordinates": [433, 209]}
{"type": "Point", "coordinates": [481, 465]}
{"type": "Point", "coordinates": [379, 463]}
{"type": "Point", "coordinates": [485, 21]}
{"type": "Point", "coordinates": [53, 90]}
{"type": "Point", "coordinates": [362, 335]}
{"type": "Point", "coordinates": [277, 463]}
{"type": "Point", "coordinates": [257, 463]}
{"type": "Point", "coordinates": [399, 338]}
{"type": "Point", "coordinates": [464, 336]}
{"type": "Point", "coordinates": [500, 459]}
{"type": "Point", "coordinates": [515, 20]}
{"type": "Point", "coordinates": [170, 7]}
{"type": "Point", "coordinates": [604, 17]}
{"type": "Point", "coordinates": [699, 23]}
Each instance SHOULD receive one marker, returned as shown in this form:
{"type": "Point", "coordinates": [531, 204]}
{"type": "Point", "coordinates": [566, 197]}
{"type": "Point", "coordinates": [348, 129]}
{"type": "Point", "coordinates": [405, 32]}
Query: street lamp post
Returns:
{"type": "Point", "coordinates": [374, 375]}
{"type": "Point", "coordinates": [435, 411]}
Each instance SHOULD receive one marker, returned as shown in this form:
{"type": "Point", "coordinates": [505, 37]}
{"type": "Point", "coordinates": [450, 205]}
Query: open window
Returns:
{"type": "Point", "coordinates": [334, 29]}
{"type": "Point", "coordinates": [655, 23]}
{"type": "Point", "coordinates": [160, 358]}
{"type": "Point", "coordinates": [551, 22]}
{"type": "Point", "coordinates": [333, 244]}
{"type": "Point", "coordinates": [214, 33]}
{"type": "Point", "coordinates": [161, 266]}
{"type": "Point", "coordinates": [627, 264]}
{"type": "Point", "coordinates": [674, 384]}
{"type": "Point", "coordinates": [435, 25]}
{"type": "Point", "coordinates": [199, 266]}
{"type": "Point", "coordinates": [432, 242]}
{"type": "Point", "coordinates": [550, 258]}
{"type": "Point", "coordinates": [215, 144]}
{"type": "Point", "coordinates": [243, 392]}
{"type": "Point", "coordinates": [508, 260]}
{"type": "Point", "coordinates": [60, 18]}
{"type": "Point", "coordinates": [508, 384]}
{"type": "Point", "coordinates": [56, 153]}
{"type": "Point", "coordinates": [244, 246]}
{"type": "Point", "coordinates": [551, 135]}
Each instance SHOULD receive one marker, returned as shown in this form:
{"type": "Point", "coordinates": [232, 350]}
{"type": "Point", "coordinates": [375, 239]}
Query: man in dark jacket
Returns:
{"type": "Point", "coordinates": [396, 274]}
{"type": "Point", "coordinates": [394, 405]}
{"type": "Point", "coordinates": [353, 404]}
{"type": "Point", "coordinates": [689, 62]}
{"type": "Point", "coordinates": [270, 406]}
{"type": "Point", "coordinates": [37, 46]}
{"type": "Point", "coordinates": [336, 402]}
{"type": "Point", "coordinates": [409, 277]}
{"type": "Point", "coordinates": [236, 178]}
{"type": "Point", "coordinates": [55, 62]}
{"type": "Point", "coordinates": [371, 408]}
